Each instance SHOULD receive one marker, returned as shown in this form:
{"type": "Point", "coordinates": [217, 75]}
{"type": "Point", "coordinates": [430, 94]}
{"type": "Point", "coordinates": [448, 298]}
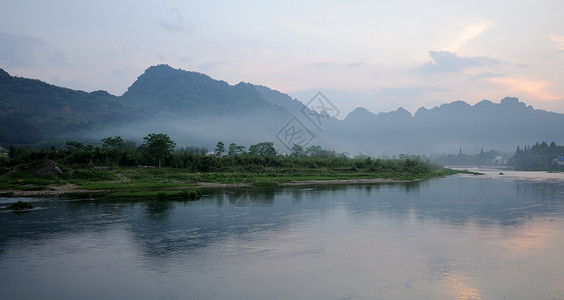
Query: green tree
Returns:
{"type": "Point", "coordinates": [232, 149]}
{"type": "Point", "coordinates": [240, 149]}
{"type": "Point", "coordinates": [235, 149]}
{"type": "Point", "coordinates": [297, 151]}
{"type": "Point", "coordinates": [74, 146]}
{"type": "Point", "coordinates": [113, 143]}
{"type": "Point", "coordinates": [219, 148]}
{"type": "Point", "coordinates": [253, 150]}
{"type": "Point", "coordinates": [313, 151]}
{"type": "Point", "coordinates": [159, 145]}
{"type": "Point", "coordinates": [263, 149]}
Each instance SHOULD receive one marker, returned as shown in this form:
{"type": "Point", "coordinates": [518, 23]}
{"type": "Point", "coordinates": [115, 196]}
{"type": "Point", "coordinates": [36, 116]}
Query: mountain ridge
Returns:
{"type": "Point", "coordinates": [197, 109]}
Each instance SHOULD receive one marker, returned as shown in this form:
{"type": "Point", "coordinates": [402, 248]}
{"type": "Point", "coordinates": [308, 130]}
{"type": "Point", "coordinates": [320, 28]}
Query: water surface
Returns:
{"type": "Point", "coordinates": [461, 237]}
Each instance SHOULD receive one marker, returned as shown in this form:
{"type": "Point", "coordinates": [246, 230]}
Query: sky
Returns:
{"type": "Point", "coordinates": [379, 55]}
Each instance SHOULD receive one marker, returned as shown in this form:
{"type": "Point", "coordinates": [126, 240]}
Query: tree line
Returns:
{"type": "Point", "coordinates": [484, 158]}
{"type": "Point", "coordinates": [159, 150]}
{"type": "Point", "coordinates": [541, 156]}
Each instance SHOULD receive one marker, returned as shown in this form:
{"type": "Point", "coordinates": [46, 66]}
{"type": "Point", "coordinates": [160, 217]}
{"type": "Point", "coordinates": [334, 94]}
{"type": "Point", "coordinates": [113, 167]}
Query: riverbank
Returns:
{"type": "Point", "coordinates": [54, 190]}
{"type": "Point", "coordinates": [130, 182]}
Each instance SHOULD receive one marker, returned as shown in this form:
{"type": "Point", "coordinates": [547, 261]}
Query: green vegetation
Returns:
{"type": "Point", "coordinates": [159, 145]}
{"type": "Point", "coordinates": [32, 111]}
{"type": "Point", "coordinates": [119, 169]}
{"type": "Point", "coordinates": [538, 157]}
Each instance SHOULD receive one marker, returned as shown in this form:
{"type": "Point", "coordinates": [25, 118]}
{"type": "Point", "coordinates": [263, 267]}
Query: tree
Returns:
{"type": "Point", "coordinates": [232, 149]}
{"type": "Point", "coordinates": [219, 148]}
{"type": "Point", "coordinates": [313, 151]}
{"type": "Point", "coordinates": [263, 149]}
{"type": "Point", "coordinates": [74, 146]}
{"type": "Point", "coordinates": [297, 151]}
{"type": "Point", "coordinates": [113, 143]}
{"type": "Point", "coordinates": [253, 150]}
{"type": "Point", "coordinates": [240, 150]}
{"type": "Point", "coordinates": [159, 145]}
{"type": "Point", "coordinates": [235, 149]}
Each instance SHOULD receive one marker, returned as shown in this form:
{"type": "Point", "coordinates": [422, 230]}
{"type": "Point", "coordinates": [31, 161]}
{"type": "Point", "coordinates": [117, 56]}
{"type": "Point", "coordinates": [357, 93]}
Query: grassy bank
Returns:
{"type": "Point", "coordinates": [154, 183]}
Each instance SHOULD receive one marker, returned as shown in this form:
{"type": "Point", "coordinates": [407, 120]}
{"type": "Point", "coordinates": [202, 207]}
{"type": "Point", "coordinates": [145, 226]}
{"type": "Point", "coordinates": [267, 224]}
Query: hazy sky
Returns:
{"type": "Point", "coordinates": [376, 54]}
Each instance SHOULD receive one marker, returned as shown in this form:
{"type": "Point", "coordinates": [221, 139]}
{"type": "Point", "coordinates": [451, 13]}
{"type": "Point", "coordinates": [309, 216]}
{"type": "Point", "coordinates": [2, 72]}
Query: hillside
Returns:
{"type": "Point", "coordinates": [195, 109]}
{"type": "Point", "coordinates": [191, 107]}
{"type": "Point", "coordinates": [450, 127]}
{"type": "Point", "coordinates": [32, 111]}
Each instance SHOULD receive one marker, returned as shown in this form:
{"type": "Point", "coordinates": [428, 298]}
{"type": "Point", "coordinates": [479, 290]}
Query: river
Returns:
{"type": "Point", "coordinates": [494, 236]}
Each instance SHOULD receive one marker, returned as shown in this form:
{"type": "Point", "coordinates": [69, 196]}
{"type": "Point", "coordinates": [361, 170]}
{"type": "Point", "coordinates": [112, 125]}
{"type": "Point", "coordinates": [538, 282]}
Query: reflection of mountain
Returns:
{"type": "Point", "coordinates": [460, 200]}
{"type": "Point", "coordinates": [197, 110]}
{"type": "Point", "coordinates": [161, 229]}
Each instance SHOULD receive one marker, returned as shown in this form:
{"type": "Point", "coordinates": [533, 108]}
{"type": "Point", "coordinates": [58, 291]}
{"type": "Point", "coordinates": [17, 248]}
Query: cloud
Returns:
{"type": "Point", "coordinates": [119, 74]}
{"type": "Point", "coordinates": [407, 92]}
{"type": "Point", "coordinates": [469, 34]}
{"type": "Point", "coordinates": [447, 62]}
{"type": "Point", "coordinates": [320, 64]}
{"type": "Point", "coordinates": [559, 39]}
{"type": "Point", "coordinates": [174, 22]}
{"type": "Point", "coordinates": [59, 58]}
{"type": "Point", "coordinates": [535, 88]}
{"type": "Point", "coordinates": [206, 66]}
{"type": "Point", "coordinates": [354, 65]}
{"type": "Point", "coordinates": [16, 50]}
{"type": "Point", "coordinates": [160, 57]}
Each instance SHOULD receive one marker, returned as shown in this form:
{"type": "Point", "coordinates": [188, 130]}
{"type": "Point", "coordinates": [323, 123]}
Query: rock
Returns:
{"type": "Point", "coordinates": [20, 206]}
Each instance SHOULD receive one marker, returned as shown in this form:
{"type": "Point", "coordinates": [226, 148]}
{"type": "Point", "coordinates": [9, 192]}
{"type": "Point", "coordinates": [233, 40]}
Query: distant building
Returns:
{"type": "Point", "coordinates": [560, 160]}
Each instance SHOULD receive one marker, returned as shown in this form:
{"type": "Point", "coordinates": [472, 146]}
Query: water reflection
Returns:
{"type": "Point", "coordinates": [453, 238]}
{"type": "Point", "coordinates": [247, 196]}
{"type": "Point", "coordinates": [222, 211]}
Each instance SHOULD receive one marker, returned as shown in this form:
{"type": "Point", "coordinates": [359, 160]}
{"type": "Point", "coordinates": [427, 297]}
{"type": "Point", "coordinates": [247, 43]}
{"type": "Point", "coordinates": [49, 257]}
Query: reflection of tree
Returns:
{"type": "Point", "coordinates": [158, 210]}
{"type": "Point", "coordinates": [411, 186]}
{"type": "Point", "coordinates": [162, 229]}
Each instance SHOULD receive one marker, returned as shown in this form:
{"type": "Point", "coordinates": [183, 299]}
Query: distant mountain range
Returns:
{"type": "Point", "coordinates": [197, 110]}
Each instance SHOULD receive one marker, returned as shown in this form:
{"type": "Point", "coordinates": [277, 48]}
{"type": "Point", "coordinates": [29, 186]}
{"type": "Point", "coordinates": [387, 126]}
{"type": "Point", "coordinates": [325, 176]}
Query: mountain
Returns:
{"type": "Point", "coordinates": [162, 89]}
{"type": "Point", "coordinates": [195, 109]}
{"type": "Point", "coordinates": [32, 111]}
{"type": "Point", "coordinates": [451, 127]}
{"type": "Point", "coordinates": [191, 107]}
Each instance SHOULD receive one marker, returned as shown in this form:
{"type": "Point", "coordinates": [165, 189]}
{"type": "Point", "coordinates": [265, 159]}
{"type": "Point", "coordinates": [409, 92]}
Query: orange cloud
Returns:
{"type": "Point", "coordinates": [559, 39]}
{"type": "Point", "coordinates": [535, 88]}
{"type": "Point", "coordinates": [468, 34]}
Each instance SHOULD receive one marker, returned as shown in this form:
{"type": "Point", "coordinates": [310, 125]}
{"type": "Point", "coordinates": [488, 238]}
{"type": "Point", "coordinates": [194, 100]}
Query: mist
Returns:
{"type": "Point", "coordinates": [197, 110]}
